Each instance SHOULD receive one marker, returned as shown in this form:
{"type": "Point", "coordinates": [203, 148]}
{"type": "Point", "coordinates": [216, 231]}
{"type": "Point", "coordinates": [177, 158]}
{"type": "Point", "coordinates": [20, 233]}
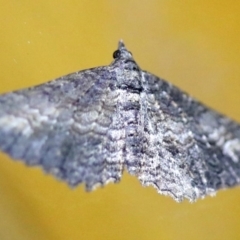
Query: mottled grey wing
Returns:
{"type": "Point", "coordinates": [63, 126]}
{"type": "Point", "coordinates": [192, 151]}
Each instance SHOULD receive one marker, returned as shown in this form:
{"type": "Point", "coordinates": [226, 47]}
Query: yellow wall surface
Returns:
{"type": "Point", "coordinates": [193, 44]}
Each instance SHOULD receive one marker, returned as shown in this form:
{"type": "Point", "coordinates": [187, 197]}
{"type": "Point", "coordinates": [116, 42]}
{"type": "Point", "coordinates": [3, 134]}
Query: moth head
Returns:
{"type": "Point", "coordinates": [125, 57]}
{"type": "Point", "coordinates": [122, 52]}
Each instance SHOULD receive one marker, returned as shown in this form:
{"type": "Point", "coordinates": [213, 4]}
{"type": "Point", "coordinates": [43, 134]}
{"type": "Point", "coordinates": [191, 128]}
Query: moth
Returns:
{"type": "Point", "coordinates": [89, 126]}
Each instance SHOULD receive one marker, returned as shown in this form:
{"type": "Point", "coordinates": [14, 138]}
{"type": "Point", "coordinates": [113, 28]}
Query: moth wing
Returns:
{"type": "Point", "coordinates": [63, 126]}
{"type": "Point", "coordinates": [192, 151]}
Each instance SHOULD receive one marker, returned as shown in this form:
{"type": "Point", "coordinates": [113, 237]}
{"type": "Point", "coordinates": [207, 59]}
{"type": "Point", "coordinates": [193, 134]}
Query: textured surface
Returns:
{"type": "Point", "coordinates": [88, 126]}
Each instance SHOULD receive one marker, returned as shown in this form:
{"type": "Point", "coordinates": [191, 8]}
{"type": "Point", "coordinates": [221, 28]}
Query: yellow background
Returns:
{"type": "Point", "coordinates": [193, 44]}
